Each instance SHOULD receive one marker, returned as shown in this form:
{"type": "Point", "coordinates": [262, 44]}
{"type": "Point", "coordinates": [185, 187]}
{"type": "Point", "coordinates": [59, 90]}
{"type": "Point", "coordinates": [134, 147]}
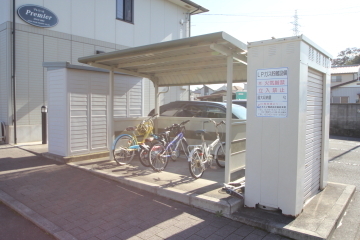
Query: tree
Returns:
{"type": "Point", "coordinates": [347, 57]}
{"type": "Point", "coordinates": [355, 60]}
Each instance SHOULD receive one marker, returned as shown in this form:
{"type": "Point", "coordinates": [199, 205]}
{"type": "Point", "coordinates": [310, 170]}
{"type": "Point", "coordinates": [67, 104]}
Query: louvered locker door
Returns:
{"type": "Point", "coordinates": [313, 133]}
{"type": "Point", "coordinates": [99, 92]}
{"type": "Point", "coordinates": [79, 112]}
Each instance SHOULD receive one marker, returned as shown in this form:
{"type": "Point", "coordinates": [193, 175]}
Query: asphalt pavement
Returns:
{"type": "Point", "coordinates": [15, 227]}
{"type": "Point", "coordinates": [344, 167]}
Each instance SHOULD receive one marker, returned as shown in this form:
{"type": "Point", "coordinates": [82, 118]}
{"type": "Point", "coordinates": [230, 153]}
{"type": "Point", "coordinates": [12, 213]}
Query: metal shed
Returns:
{"type": "Point", "coordinates": [206, 59]}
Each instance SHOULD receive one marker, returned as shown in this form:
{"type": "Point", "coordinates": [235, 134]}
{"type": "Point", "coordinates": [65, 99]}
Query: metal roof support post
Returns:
{"type": "Point", "coordinates": [229, 80]}
{"type": "Point", "coordinates": [157, 106]}
{"type": "Point", "coordinates": [110, 114]}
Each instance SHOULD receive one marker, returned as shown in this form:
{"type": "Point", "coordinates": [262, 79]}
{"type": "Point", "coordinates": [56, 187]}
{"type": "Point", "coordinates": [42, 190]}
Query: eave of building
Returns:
{"type": "Point", "coordinates": [190, 5]}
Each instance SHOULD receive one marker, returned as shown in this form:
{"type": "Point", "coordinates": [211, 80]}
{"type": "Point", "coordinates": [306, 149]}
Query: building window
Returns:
{"type": "Point", "coordinates": [125, 10]}
{"type": "Point", "coordinates": [340, 99]}
{"type": "Point", "coordinates": [336, 78]}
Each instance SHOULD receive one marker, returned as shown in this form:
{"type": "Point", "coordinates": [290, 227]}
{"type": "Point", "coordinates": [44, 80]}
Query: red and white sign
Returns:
{"type": "Point", "coordinates": [272, 92]}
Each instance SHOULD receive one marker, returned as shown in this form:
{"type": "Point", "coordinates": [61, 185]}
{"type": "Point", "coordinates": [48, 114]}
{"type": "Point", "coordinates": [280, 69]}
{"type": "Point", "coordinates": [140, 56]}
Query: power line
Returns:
{"type": "Point", "coordinates": [272, 16]}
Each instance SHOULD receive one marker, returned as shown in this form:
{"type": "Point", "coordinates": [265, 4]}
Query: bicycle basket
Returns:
{"type": "Point", "coordinates": [144, 128]}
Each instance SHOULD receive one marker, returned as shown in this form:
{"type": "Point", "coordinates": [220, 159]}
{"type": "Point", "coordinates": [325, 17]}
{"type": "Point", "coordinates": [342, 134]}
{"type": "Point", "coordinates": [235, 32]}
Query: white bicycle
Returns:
{"type": "Point", "coordinates": [201, 155]}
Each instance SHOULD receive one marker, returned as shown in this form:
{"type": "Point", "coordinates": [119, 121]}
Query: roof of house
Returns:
{"type": "Point", "coordinates": [345, 69]}
{"type": "Point", "coordinates": [224, 88]}
{"type": "Point", "coordinates": [211, 96]}
{"type": "Point", "coordinates": [345, 83]}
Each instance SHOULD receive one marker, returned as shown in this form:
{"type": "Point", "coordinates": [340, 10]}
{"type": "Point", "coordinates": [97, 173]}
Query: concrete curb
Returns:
{"type": "Point", "coordinates": [75, 158]}
{"type": "Point", "coordinates": [210, 204]}
{"type": "Point", "coordinates": [323, 232]}
{"type": "Point", "coordinates": [35, 218]}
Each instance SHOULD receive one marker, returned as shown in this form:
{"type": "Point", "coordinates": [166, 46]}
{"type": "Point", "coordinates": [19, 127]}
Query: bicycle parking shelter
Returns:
{"type": "Point", "coordinates": [287, 129]}
{"type": "Point", "coordinates": [207, 59]}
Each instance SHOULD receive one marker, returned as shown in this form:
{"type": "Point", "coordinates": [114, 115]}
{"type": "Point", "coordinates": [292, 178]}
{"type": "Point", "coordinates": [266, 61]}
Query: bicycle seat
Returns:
{"type": "Point", "coordinates": [130, 129]}
{"type": "Point", "coordinates": [200, 132]}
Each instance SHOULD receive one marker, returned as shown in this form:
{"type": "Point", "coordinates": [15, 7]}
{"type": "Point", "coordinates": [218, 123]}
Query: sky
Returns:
{"type": "Point", "coordinates": [332, 25]}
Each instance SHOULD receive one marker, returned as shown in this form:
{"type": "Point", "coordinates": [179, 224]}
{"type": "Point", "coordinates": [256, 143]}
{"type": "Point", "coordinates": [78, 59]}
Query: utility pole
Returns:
{"type": "Point", "coordinates": [296, 24]}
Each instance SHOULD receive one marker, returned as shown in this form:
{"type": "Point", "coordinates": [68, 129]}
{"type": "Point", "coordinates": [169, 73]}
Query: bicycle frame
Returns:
{"type": "Point", "coordinates": [136, 144]}
{"type": "Point", "coordinates": [206, 149]}
{"type": "Point", "coordinates": [176, 141]}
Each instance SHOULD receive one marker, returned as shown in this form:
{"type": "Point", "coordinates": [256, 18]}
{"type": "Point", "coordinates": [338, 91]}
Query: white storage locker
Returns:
{"type": "Point", "coordinates": [287, 123]}
{"type": "Point", "coordinates": [77, 107]}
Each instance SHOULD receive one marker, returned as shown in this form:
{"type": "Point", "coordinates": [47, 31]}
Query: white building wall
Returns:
{"type": "Point", "coordinates": [4, 74]}
{"type": "Point", "coordinates": [345, 77]}
{"type": "Point", "coordinates": [5, 12]}
{"type": "Point", "coordinates": [351, 92]}
{"type": "Point", "coordinates": [84, 27]}
{"type": "Point", "coordinates": [154, 20]}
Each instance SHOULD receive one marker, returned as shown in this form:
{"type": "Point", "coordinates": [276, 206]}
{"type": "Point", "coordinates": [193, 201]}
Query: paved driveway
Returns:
{"type": "Point", "coordinates": [344, 167]}
{"type": "Point", "coordinates": [75, 203]}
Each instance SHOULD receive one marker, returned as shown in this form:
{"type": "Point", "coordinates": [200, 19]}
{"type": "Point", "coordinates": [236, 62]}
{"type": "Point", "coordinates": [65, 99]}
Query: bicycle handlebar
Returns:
{"type": "Point", "coordinates": [175, 125]}
{"type": "Point", "coordinates": [215, 123]}
{"type": "Point", "coordinates": [184, 122]}
{"type": "Point", "coordinates": [222, 122]}
{"type": "Point", "coordinates": [149, 118]}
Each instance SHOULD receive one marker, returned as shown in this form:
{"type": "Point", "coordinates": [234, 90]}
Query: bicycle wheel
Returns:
{"type": "Point", "coordinates": [122, 153]}
{"type": "Point", "coordinates": [158, 157]}
{"type": "Point", "coordinates": [144, 158]}
{"type": "Point", "coordinates": [144, 154]}
{"type": "Point", "coordinates": [195, 165]}
{"type": "Point", "coordinates": [220, 155]}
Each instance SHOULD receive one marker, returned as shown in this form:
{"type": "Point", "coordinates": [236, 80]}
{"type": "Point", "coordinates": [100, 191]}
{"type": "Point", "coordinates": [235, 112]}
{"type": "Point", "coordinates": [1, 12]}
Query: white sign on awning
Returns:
{"type": "Point", "coordinates": [272, 92]}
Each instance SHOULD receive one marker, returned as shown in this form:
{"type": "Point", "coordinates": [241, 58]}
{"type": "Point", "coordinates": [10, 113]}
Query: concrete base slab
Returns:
{"type": "Point", "coordinates": [317, 221]}
{"type": "Point", "coordinates": [205, 193]}
{"type": "Point", "coordinates": [75, 158]}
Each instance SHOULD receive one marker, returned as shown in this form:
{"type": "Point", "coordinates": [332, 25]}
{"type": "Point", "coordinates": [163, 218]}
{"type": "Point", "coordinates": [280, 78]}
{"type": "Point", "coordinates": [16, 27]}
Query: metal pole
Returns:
{"type": "Point", "coordinates": [14, 75]}
{"type": "Point", "coordinates": [229, 80]}
{"type": "Point", "coordinates": [110, 115]}
{"type": "Point", "coordinates": [157, 107]}
{"type": "Point", "coordinates": [44, 124]}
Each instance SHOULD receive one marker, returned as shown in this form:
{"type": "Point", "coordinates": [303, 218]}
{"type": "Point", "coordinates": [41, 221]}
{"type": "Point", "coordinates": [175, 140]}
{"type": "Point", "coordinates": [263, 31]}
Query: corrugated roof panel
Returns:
{"type": "Point", "coordinates": [195, 60]}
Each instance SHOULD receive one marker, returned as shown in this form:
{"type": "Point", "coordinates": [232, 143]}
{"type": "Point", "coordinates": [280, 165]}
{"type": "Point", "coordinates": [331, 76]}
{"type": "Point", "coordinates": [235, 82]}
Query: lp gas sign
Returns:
{"type": "Point", "coordinates": [241, 95]}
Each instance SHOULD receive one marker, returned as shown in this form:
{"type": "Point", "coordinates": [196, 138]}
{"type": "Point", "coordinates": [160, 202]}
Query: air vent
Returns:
{"type": "Point", "coordinates": [272, 50]}
{"type": "Point", "coordinates": [255, 52]}
{"type": "Point", "coordinates": [290, 48]}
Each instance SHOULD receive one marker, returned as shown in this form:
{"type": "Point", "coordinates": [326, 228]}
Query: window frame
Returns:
{"type": "Point", "coordinates": [340, 99]}
{"type": "Point", "coordinates": [123, 11]}
{"type": "Point", "coordinates": [336, 78]}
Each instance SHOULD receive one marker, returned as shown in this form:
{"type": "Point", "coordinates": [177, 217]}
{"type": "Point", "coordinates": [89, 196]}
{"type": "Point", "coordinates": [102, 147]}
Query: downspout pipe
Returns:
{"type": "Point", "coordinates": [14, 73]}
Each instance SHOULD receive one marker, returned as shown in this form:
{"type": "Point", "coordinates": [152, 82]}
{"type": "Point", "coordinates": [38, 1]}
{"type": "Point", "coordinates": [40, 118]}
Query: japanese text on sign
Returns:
{"type": "Point", "coordinates": [272, 92]}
